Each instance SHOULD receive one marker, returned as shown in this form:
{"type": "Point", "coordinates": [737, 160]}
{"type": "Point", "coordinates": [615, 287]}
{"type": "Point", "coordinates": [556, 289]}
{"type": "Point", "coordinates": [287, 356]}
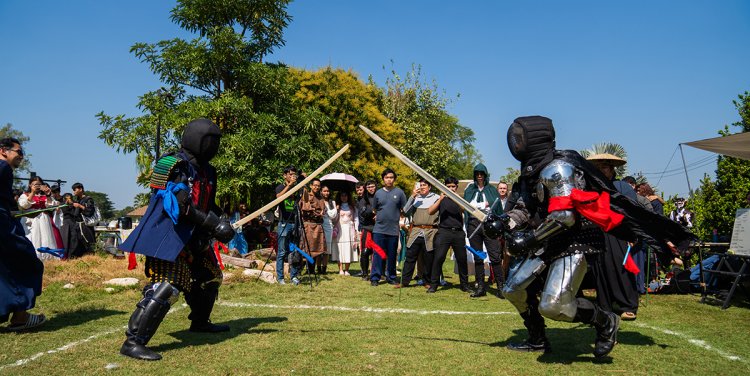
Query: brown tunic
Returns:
{"type": "Point", "coordinates": [312, 209]}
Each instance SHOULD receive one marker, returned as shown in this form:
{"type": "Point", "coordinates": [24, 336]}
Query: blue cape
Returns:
{"type": "Point", "coordinates": [156, 235]}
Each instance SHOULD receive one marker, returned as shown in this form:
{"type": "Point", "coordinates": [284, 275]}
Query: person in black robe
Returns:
{"type": "Point", "coordinates": [616, 288]}
{"type": "Point", "coordinates": [77, 237]}
{"type": "Point", "coordinates": [20, 269]}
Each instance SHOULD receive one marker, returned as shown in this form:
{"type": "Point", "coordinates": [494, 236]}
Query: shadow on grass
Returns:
{"type": "Point", "coordinates": [337, 330]}
{"type": "Point", "coordinates": [576, 344]}
{"type": "Point", "coordinates": [451, 340]}
{"type": "Point", "coordinates": [74, 318]}
{"type": "Point", "coordinates": [187, 338]}
{"type": "Point", "coordinates": [717, 299]}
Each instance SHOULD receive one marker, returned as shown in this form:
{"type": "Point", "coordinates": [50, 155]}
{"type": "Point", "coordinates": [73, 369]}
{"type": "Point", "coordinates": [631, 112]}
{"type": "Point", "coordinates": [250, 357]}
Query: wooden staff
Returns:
{"type": "Point", "coordinates": [290, 192]}
{"type": "Point", "coordinates": [476, 213]}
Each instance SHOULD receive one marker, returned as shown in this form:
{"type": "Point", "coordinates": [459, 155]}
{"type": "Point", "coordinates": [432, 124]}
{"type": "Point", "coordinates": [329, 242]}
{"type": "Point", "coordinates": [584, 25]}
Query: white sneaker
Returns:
{"type": "Point", "coordinates": [347, 273]}
{"type": "Point", "coordinates": [341, 272]}
{"type": "Point", "coordinates": [281, 282]}
{"type": "Point", "coordinates": [295, 280]}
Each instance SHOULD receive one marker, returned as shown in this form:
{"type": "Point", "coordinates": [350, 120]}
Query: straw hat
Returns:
{"type": "Point", "coordinates": [607, 158]}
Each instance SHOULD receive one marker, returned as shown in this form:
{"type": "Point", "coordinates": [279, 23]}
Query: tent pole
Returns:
{"type": "Point", "coordinates": [690, 190]}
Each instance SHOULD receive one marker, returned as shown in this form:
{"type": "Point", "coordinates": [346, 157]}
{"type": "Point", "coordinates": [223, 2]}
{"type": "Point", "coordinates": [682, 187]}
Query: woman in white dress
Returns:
{"type": "Point", "coordinates": [346, 242]}
{"type": "Point", "coordinates": [41, 230]}
{"type": "Point", "coordinates": [329, 221]}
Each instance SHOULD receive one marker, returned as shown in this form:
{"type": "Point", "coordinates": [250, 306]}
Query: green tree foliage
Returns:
{"type": "Point", "coordinates": [345, 102]}
{"type": "Point", "coordinates": [141, 199]}
{"type": "Point", "coordinates": [105, 205]}
{"type": "Point", "coordinates": [716, 202]}
{"type": "Point", "coordinates": [8, 131]}
{"type": "Point", "coordinates": [608, 148]}
{"type": "Point", "coordinates": [271, 115]}
{"type": "Point", "coordinates": [219, 75]}
{"type": "Point", "coordinates": [434, 139]}
{"type": "Point", "coordinates": [124, 211]}
{"type": "Point", "coordinates": [511, 176]}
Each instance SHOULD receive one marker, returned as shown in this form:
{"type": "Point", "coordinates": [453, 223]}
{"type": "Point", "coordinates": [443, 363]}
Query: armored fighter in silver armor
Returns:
{"type": "Point", "coordinates": [557, 241]}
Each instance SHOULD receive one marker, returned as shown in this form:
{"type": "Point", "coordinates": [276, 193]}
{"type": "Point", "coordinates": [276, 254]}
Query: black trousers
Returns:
{"type": "Point", "coordinates": [493, 250]}
{"type": "Point", "coordinates": [448, 238]}
{"type": "Point", "coordinates": [419, 247]}
{"type": "Point", "coordinates": [365, 254]}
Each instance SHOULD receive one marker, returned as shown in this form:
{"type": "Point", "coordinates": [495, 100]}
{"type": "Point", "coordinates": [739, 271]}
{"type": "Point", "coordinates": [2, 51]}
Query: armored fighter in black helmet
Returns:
{"type": "Point", "coordinates": [566, 204]}
{"type": "Point", "coordinates": [175, 235]}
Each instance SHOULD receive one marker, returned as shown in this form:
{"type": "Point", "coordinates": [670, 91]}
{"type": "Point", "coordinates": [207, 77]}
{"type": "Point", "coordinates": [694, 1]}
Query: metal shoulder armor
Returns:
{"type": "Point", "coordinates": [560, 177]}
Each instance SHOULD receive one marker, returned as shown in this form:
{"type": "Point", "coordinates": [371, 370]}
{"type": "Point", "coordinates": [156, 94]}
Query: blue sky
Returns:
{"type": "Point", "coordinates": [645, 74]}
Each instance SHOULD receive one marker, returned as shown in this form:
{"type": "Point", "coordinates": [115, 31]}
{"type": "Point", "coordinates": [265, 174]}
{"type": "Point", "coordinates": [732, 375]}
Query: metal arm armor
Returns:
{"type": "Point", "coordinates": [558, 179]}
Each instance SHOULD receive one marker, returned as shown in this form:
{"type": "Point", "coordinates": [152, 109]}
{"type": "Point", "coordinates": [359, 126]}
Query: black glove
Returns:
{"type": "Point", "coordinates": [224, 232]}
{"type": "Point", "coordinates": [221, 230]}
{"type": "Point", "coordinates": [496, 225]}
{"type": "Point", "coordinates": [522, 241]}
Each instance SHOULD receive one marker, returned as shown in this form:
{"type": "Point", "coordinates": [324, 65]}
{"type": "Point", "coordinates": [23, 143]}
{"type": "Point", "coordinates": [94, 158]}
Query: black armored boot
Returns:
{"type": "Point", "coordinates": [201, 301]}
{"type": "Point", "coordinates": [537, 341]}
{"type": "Point", "coordinates": [144, 321]}
{"type": "Point", "coordinates": [607, 324]}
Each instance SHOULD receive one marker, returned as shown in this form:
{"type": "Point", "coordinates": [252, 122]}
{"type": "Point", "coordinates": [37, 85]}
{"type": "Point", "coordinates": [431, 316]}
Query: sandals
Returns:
{"type": "Point", "coordinates": [32, 322]}
{"type": "Point", "coordinates": [628, 316]}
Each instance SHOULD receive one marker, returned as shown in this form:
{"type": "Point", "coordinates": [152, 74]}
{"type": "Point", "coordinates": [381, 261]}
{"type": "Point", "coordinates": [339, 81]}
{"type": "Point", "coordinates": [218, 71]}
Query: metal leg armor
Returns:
{"type": "Point", "coordinates": [515, 288]}
{"type": "Point", "coordinates": [558, 301]}
{"type": "Point", "coordinates": [148, 315]}
{"type": "Point", "coordinates": [521, 291]}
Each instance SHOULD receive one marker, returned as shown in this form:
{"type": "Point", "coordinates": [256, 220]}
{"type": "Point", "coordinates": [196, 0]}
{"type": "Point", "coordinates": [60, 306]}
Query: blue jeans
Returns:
{"type": "Point", "coordinates": [389, 243]}
{"type": "Point", "coordinates": [284, 232]}
{"type": "Point", "coordinates": [639, 256]}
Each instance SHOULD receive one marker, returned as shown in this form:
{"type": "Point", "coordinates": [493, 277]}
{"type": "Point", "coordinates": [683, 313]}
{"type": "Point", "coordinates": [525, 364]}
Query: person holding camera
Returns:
{"type": "Point", "coordinates": [77, 237]}
{"type": "Point", "coordinates": [286, 228]}
{"type": "Point", "coordinates": [41, 229]}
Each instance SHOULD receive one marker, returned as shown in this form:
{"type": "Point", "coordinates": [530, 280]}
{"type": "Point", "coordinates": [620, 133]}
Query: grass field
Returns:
{"type": "Point", "coordinates": [342, 326]}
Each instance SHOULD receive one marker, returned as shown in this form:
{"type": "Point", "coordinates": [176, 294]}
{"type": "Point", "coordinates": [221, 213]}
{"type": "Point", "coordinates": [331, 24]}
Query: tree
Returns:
{"type": "Point", "coordinates": [9, 131]}
{"type": "Point", "coordinates": [220, 75]}
{"type": "Point", "coordinates": [105, 205]}
{"type": "Point", "coordinates": [715, 203]}
{"type": "Point", "coordinates": [141, 199]}
{"type": "Point", "coordinates": [345, 102]}
{"type": "Point", "coordinates": [124, 211]}
{"type": "Point", "coordinates": [608, 148]}
{"type": "Point", "coordinates": [511, 176]}
{"type": "Point", "coordinates": [435, 139]}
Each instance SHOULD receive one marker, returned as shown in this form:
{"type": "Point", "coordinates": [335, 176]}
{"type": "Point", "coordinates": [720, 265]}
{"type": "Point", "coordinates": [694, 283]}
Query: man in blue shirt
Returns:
{"type": "Point", "coordinates": [387, 204]}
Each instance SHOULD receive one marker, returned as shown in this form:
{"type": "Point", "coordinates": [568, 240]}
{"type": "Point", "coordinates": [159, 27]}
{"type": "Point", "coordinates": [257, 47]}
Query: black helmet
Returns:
{"type": "Point", "coordinates": [531, 140]}
{"type": "Point", "coordinates": [201, 139]}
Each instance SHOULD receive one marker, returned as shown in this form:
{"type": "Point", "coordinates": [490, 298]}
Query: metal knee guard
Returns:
{"type": "Point", "coordinates": [515, 287]}
{"type": "Point", "coordinates": [558, 300]}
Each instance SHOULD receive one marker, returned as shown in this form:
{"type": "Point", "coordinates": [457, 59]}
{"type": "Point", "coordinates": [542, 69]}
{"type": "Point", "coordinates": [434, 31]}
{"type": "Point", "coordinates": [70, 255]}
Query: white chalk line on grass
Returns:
{"type": "Point", "coordinates": [697, 342]}
{"type": "Point", "coordinates": [70, 345]}
{"type": "Point", "coordinates": [360, 309]}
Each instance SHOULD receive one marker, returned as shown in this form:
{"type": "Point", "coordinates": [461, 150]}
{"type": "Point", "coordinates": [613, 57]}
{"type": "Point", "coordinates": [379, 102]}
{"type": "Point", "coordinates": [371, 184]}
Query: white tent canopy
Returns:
{"type": "Point", "coordinates": [736, 145]}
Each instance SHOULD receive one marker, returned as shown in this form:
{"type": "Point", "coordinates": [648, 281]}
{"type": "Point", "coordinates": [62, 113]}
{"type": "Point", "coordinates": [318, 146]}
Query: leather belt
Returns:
{"type": "Point", "coordinates": [424, 226]}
